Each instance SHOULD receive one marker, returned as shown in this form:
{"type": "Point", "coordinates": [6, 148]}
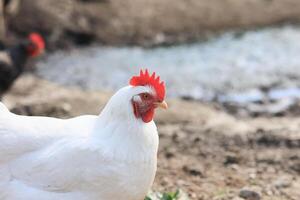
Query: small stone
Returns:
{"type": "Point", "coordinates": [193, 170]}
{"type": "Point", "coordinates": [237, 198]}
{"type": "Point", "coordinates": [231, 159]}
{"type": "Point", "coordinates": [249, 194]}
{"type": "Point", "coordinates": [283, 182]}
{"type": "Point", "coordinates": [169, 155]}
{"type": "Point", "coordinates": [66, 107]}
{"type": "Point", "coordinates": [252, 175]}
{"type": "Point", "coordinates": [235, 167]}
{"type": "Point", "coordinates": [269, 192]}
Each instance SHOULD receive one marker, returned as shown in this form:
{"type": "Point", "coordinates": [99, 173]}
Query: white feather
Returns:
{"type": "Point", "coordinates": [3, 108]}
{"type": "Point", "coordinates": [107, 157]}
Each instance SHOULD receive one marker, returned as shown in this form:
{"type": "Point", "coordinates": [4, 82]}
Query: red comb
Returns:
{"type": "Point", "coordinates": [145, 79]}
{"type": "Point", "coordinates": [38, 40]}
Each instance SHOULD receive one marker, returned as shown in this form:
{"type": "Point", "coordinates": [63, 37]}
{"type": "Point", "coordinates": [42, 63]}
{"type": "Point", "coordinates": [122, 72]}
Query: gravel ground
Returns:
{"type": "Point", "coordinates": [204, 151]}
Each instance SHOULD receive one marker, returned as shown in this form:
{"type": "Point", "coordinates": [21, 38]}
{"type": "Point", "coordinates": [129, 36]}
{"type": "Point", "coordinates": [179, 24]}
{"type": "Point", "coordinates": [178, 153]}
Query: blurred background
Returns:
{"type": "Point", "coordinates": [232, 70]}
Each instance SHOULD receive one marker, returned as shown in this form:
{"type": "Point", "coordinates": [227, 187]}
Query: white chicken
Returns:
{"type": "Point", "coordinates": [107, 157]}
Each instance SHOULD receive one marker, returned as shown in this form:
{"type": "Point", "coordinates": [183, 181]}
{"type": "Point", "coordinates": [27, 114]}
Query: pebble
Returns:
{"type": "Point", "coordinates": [282, 182]}
{"type": "Point", "coordinates": [231, 159]}
{"type": "Point", "coordinates": [193, 170]}
{"type": "Point", "coordinates": [249, 194]}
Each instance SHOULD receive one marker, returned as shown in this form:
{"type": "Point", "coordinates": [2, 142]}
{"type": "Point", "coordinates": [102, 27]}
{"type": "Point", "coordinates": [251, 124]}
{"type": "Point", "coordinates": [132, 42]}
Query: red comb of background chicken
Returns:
{"type": "Point", "coordinates": [38, 41]}
{"type": "Point", "coordinates": [145, 79]}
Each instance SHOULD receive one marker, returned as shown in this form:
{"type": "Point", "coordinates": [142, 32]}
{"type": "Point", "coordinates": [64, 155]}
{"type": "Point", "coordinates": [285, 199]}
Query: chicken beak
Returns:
{"type": "Point", "coordinates": [162, 105]}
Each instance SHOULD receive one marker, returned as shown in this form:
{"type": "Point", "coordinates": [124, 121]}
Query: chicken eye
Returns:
{"type": "Point", "coordinates": [146, 96]}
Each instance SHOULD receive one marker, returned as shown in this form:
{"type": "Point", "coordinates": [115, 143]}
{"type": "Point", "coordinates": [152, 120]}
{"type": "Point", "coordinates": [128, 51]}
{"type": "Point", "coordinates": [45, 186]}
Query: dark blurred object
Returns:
{"type": "Point", "coordinates": [13, 60]}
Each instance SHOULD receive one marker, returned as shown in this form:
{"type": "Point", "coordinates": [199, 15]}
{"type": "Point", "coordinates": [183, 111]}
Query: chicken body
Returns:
{"type": "Point", "coordinates": [12, 62]}
{"type": "Point", "coordinates": [107, 157]}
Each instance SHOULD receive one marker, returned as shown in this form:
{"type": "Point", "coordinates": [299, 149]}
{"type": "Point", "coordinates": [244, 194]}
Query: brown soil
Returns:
{"type": "Point", "coordinates": [207, 153]}
{"type": "Point", "coordinates": [144, 22]}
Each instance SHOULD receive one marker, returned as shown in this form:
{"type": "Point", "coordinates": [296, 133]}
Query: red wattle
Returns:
{"type": "Point", "coordinates": [148, 116]}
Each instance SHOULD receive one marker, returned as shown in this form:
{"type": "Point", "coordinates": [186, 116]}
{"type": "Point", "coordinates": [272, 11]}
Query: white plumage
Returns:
{"type": "Point", "coordinates": [107, 157]}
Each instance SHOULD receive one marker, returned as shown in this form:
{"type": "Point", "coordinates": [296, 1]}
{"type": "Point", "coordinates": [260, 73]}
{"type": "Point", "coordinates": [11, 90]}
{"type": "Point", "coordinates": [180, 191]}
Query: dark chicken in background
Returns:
{"type": "Point", "coordinates": [13, 60]}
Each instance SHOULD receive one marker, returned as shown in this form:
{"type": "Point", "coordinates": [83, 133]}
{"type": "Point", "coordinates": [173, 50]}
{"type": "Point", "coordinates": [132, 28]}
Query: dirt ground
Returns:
{"type": "Point", "coordinates": [204, 151]}
{"type": "Point", "coordinates": [143, 22]}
